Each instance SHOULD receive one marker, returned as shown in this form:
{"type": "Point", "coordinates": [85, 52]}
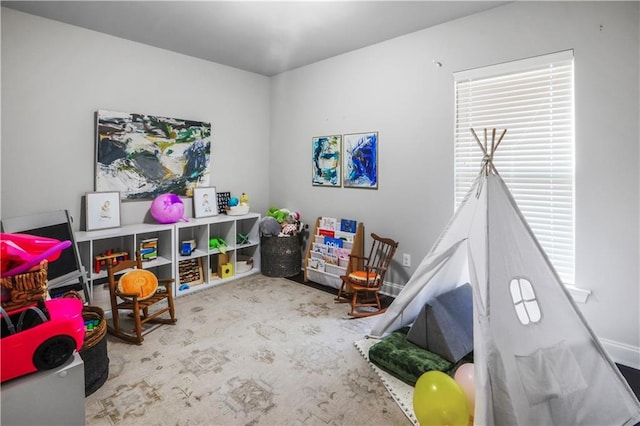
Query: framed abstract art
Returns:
{"type": "Point", "coordinates": [360, 160]}
{"type": "Point", "coordinates": [325, 160]}
{"type": "Point", "coordinates": [142, 156]}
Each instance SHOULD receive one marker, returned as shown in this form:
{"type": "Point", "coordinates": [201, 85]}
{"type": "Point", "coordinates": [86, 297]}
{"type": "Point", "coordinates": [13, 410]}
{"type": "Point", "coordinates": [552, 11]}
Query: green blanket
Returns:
{"type": "Point", "coordinates": [406, 361]}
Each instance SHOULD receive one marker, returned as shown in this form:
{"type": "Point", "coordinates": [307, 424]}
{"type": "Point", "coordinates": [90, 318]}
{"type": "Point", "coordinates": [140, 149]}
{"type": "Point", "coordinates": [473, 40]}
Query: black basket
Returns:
{"type": "Point", "coordinates": [280, 256]}
{"type": "Point", "coordinates": [94, 351]}
{"type": "Point", "coordinates": [96, 366]}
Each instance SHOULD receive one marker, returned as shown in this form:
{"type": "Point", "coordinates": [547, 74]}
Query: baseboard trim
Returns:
{"type": "Point", "coordinates": [622, 353]}
{"type": "Point", "coordinates": [391, 289]}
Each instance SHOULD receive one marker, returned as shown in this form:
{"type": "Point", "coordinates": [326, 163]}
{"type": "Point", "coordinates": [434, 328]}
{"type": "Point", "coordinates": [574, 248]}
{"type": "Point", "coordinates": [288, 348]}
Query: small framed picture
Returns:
{"type": "Point", "coordinates": [102, 210]}
{"type": "Point", "coordinates": [205, 202]}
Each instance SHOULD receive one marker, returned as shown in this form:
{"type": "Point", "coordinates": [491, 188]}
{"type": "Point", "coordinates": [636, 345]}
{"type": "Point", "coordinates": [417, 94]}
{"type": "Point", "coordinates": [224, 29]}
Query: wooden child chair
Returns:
{"type": "Point", "coordinates": [360, 287]}
{"type": "Point", "coordinates": [136, 291]}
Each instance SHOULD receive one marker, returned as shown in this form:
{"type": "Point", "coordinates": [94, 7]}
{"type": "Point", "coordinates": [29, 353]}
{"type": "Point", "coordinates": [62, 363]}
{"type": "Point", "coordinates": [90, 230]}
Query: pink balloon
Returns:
{"type": "Point", "coordinates": [464, 376]}
{"type": "Point", "coordinates": [167, 208]}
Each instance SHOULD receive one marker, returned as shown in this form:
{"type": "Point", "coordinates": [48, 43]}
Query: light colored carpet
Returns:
{"type": "Point", "coordinates": [256, 351]}
{"type": "Point", "coordinates": [401, 392]}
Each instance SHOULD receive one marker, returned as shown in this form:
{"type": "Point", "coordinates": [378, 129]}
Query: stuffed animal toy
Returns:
{"type": "Point", "coordinates": [269, 227]}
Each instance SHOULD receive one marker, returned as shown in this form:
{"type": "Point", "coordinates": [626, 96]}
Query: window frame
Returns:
{"type": "Point", "coordinates": [532, 113]}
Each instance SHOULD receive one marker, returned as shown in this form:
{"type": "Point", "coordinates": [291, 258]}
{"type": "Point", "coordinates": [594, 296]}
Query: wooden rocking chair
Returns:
{"type": "Point", "coordinates": [360, 287]}
{"type": "Point", "coordinates": [148, 292]}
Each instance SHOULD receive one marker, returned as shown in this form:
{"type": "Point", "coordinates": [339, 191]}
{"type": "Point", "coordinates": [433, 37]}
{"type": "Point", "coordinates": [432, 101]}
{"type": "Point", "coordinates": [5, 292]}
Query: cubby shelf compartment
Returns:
{"type": "Point", "coordinates": [202, 230]}
{"type": "Point", "coordinates": [124, 239]}
{"type": "Point", "coordinates": [169, 241]}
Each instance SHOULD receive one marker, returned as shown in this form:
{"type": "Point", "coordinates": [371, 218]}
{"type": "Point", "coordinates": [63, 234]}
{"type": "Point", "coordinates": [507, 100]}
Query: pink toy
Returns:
{"type": "Point", "coordinates": [21, 252]}
{"type": "Point", "coordinates": [40, 338]}
{"type": "Point", "coordinates": [167, 208]}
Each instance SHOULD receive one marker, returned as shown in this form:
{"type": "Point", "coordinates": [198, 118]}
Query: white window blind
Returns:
{"type": "Point", "coordinates": [534, 100]}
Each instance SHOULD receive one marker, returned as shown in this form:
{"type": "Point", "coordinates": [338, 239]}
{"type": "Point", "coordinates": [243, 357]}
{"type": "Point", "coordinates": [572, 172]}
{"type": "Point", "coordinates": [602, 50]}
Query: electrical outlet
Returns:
{"type": "Point", "coordinates": [406, 260]}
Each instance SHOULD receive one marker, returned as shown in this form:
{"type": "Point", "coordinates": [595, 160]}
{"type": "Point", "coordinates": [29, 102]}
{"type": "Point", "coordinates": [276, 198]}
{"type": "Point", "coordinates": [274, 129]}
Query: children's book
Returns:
{"type": "Point", "coordinates": [333, 242]}
{"type": "Point", "coordinates": [348, 225]}
{"type": "Point", "coordinates": [326, 232]}
{"type": "Point", "coordinates": [317, 264]}
{"type": "Point", "coordinates": [328, 223]}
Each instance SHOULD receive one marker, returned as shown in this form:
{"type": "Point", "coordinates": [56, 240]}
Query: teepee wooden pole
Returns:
{"type": "Point", "coordinates": [493, 142]}
{"type": "Point", "coordinates": [475, 136]}
{"type": "Point", "coordinates": [500, 140]}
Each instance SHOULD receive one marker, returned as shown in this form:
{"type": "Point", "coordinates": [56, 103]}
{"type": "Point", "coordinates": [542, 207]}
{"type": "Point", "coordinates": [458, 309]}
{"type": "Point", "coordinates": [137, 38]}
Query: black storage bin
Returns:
{"type": "Point", "coordinates": [94, 351]}
{"type": "Point", "coordinates": [280, 256]}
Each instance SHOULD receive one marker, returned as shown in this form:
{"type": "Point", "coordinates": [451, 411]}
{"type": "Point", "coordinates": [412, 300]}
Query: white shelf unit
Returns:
{"type": "Point", "coordinates": [202, 230]}
{"type": "Point", "coordinates": [318, 268]}
{"type": "Point", "coordinates": [170, 238]}
{"type": "Point", "coordinates": [126, 239]}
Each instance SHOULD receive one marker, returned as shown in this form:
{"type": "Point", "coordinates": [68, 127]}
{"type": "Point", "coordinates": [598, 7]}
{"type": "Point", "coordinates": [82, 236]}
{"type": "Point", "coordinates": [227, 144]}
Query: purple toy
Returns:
{"type": "Point", "coordinates": [167, 208]}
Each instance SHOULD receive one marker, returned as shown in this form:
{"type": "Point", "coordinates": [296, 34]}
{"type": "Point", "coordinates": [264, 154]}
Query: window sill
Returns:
{"type": "Point", "coordinates": [579, 295]}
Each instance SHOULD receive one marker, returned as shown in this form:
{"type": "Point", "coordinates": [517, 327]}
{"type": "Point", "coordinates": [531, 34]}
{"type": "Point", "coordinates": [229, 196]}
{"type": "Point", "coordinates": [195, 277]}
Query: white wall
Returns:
{"type": "Point", "coordinates": [394, 88]}
{"type": "Point", "coordinates": [55, 76]}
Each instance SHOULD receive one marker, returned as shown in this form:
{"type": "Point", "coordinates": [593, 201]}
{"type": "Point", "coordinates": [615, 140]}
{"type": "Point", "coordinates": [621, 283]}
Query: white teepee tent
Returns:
{"type": "Point", "coordinates": [537, 361]}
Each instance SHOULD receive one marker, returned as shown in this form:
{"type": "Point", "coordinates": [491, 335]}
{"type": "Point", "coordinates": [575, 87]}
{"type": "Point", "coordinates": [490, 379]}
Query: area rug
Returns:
{"type": "Point", "coordinates": [401, 392]}
{"type": "Point", "coordinates": [256, 351]}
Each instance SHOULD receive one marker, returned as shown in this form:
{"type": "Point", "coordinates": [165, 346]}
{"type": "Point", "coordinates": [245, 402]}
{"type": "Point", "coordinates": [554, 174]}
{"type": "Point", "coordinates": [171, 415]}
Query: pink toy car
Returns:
{"type": "Point", "coordinates": [40, 337]}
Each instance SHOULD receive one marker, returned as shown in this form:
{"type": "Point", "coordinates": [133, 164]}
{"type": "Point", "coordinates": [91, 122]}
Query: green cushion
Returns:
{"type": "Point", "coordinates": [404, 360]}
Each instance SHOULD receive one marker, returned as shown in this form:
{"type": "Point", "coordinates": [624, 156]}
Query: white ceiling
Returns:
{"type": "Point", "coordinates": [265, 37]}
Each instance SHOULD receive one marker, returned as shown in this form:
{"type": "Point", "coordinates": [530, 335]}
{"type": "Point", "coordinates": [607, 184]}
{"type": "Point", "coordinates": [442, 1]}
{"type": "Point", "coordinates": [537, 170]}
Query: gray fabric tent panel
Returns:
{"type": "Point", "coordinates": [445, 324]}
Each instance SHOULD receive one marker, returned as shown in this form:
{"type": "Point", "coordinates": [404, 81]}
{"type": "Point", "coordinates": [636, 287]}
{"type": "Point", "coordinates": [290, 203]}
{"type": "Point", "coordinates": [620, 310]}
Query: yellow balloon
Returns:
{"type": "Point", "coordinates": [439, 401]}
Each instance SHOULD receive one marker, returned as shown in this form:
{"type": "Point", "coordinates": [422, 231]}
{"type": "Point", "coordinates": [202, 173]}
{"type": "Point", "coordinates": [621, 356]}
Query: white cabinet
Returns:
{"type": "Point", "coordinates": [241, 255]}
{"type": "Point", "coordinates": [193, 271]}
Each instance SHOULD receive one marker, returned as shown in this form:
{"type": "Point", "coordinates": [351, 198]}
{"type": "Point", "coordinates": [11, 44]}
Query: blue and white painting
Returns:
{"type": "Point", "coordinates": [143, 156]}
{"type": "Point", "coordinates": [361, 160]}
{"type": "Point", "coordinates": [325, 160]}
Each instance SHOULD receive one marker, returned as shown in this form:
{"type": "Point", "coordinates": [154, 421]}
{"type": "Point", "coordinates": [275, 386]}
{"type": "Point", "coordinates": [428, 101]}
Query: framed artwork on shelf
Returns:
{"type": "Point", "coordinates": [325, 159]}
{"type": "Point", "coordinates": [190, 271]}
{"type": "Point", "coordinates": [102, 210]}
{"type": "Point", "coordinates": [205, 202]}
{"type": "Point", "coordinates": [143, 156]}
{"type": "Point", "coordinates": [223, 201]}
{"type": "Point", "coordinates": [361, 160]}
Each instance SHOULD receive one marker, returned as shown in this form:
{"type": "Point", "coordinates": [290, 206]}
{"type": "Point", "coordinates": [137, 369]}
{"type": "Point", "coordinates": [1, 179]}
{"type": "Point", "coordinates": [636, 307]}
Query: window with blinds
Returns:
{"type": "Point", "coordinates": [534, 100]}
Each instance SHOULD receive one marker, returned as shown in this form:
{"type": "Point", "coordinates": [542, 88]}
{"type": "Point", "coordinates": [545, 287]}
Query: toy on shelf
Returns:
{"type": "Point", "coordinates": [238, 207]}
{"type": "Point", "coordinates": [116, 256]}
{"type": "Point", "coordinates": [242, 238]}
{"type": "Point", "coordinates": [167, 208]}
{"type": "Point", "coordinates": [218, 244]}
{"type": "Point", "coordinates": [149, 249]}
{"type": "Point", "coordinates": [187, 247]}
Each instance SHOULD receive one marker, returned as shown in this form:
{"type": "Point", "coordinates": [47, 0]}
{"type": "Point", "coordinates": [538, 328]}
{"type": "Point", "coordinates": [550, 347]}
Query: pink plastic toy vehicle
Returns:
{"type": "Point", "coordinates": [40, 337]}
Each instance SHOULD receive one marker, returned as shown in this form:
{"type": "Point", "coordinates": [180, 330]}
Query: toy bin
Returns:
{"type": "Point", "coordinates": [24, 289]}
{"type": "Point", "coordinates": [280, 256]}
{"type": "Point", "coordinates": [94, 350]}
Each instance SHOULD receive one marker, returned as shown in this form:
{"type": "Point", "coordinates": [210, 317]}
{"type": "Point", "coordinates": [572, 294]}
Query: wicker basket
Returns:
{"type": "Point", "coordinates": [94, 349]}
{"type": "Point", "coordinates": [24, 289]}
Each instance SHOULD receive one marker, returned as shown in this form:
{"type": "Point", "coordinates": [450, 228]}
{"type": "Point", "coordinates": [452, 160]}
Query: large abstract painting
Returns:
{"type": "Point", "coordinates": [361, 160]}
{"type": "Point", "coordinates": [326, 160]}
{"type": "Point", "coordinates": [143, 156]}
